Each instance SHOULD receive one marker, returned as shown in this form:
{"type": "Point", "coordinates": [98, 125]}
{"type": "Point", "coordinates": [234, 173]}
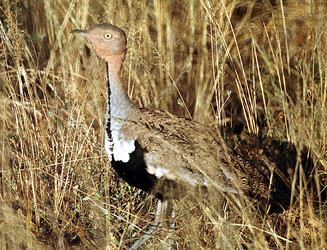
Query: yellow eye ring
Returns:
{"type": "Point", "coordinates": [107, 36]}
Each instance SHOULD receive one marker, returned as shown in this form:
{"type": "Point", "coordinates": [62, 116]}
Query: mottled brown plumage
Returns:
{"type": "Point", "coordinates": [194, 154]}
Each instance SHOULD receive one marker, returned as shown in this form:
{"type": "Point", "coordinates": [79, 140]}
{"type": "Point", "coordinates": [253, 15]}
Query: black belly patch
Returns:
{"type": "Point", "coordinates": [134, 171]}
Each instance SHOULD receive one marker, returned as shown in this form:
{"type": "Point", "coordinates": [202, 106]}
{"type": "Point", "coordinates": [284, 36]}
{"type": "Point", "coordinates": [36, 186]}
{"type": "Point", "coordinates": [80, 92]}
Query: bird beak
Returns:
{"type": "Point", "coordinates": [81, 32]}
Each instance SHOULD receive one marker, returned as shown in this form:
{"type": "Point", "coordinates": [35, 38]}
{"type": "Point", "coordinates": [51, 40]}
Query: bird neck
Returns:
{"type": "Point", "coordinates": [115, 64]}
{"type": "Point", "coordinates": [119, 104]}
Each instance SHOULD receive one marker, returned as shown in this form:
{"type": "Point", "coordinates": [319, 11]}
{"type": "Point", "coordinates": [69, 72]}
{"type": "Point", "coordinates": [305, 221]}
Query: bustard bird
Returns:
{"type": "Point", "coordinates": [155, 150]}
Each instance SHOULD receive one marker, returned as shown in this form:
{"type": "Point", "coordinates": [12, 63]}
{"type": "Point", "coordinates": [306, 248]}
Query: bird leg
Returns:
{"type": "Point", "coordinates": [163, 208]}
{"type": "Point", "coordinates": [171, 230]}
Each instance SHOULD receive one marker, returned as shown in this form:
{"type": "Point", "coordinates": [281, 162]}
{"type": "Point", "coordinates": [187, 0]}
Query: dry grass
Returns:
{"type": "Point", "coordinates": [256, 68]}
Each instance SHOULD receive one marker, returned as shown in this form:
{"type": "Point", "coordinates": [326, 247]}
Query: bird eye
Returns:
{"type": "Point", "coordinates": [107, 36]}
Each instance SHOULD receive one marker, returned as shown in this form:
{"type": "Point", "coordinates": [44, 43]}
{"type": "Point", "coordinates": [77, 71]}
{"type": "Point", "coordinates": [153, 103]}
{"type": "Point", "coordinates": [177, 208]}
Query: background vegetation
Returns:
{"type": "Point", "coordinates": [257, 69]}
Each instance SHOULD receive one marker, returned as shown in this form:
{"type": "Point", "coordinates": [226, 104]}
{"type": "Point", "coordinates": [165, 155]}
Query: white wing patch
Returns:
{"type": "Point", "coordinates": [122, 149]}
{"type": "Point", "coordinates": [190, 178]}
{"type": "Point", "coordinates": [159, 172]}
{"type": "Point", "coordinates": [119, 148]}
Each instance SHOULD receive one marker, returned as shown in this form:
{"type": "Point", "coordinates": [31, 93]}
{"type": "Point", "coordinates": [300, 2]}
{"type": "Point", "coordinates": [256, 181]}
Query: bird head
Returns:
{"type": "Point", "coordinates": [108, 41]}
